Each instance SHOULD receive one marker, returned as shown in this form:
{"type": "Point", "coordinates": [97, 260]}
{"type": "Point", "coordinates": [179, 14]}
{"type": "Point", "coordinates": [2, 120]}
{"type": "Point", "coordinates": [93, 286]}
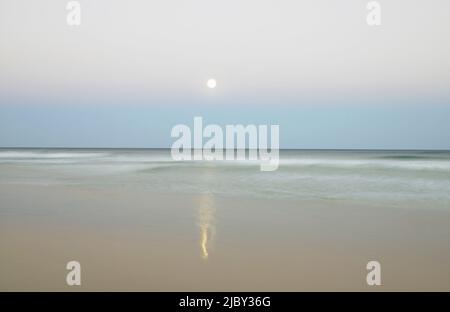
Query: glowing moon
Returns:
{"type": "Point", "coordinates": [211, 83]}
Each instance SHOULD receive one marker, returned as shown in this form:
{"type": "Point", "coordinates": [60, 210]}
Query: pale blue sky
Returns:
{"type": "Point", "coordinates": [133, 69]}
{"type": "Point", "coordinates": [382, 126]}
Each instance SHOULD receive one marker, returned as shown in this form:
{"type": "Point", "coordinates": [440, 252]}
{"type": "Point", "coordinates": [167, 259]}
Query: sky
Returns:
{"type": "Point", "coordinates": [134, 69]}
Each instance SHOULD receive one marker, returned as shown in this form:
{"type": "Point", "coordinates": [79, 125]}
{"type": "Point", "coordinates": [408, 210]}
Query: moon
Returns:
{"type": "Point", "coordinates": [211, 83]}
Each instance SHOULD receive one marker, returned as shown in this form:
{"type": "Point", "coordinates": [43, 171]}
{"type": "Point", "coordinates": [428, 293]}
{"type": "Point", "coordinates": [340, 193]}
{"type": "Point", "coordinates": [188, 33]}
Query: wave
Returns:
{"type": "Point", "coordinates": [301, 174]}
{"type": "Point", "coordinates": [49, 155]}
{"type": "Point", "coordinates": [375, 164]}
{"type": "Point", "coordinates": [290, 160]}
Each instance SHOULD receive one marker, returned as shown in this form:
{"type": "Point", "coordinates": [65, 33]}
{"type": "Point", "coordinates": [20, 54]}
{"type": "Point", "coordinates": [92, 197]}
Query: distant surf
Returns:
{"type": "Point", "coordinates": [366, 175]}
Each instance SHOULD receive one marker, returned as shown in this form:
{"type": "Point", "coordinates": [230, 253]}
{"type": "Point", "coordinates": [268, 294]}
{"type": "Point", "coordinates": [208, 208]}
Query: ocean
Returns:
{"type": "Point", "coordinates": [381, 176]}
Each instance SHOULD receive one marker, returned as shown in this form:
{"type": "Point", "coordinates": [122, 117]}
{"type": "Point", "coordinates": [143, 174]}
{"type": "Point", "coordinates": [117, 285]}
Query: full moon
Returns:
{"type": "Point", "coordinates": [211, 83]}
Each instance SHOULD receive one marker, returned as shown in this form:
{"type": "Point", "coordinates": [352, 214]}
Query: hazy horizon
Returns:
{"type": "Point", "coordinates": [168, 148]}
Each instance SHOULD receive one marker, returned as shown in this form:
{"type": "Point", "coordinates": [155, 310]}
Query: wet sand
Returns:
{"type": "Point", "coordinates": [129, 239]}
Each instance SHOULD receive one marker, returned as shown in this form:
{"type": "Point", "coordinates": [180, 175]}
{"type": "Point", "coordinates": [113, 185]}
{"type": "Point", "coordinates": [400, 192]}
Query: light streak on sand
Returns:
{"type": "Point", "coordinates": [206, 220]}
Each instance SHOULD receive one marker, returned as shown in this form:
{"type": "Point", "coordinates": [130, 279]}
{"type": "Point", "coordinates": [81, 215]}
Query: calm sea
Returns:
{"type": "Point", "coordinates": [370, 176]}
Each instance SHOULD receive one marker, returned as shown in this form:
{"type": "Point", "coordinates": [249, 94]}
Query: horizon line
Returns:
{"type": "Point", "coordinates": [235, 149]}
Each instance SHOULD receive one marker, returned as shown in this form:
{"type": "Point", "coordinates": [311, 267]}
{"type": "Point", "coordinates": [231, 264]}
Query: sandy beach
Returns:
{"type": "Point", "coordinates": [175, 242]}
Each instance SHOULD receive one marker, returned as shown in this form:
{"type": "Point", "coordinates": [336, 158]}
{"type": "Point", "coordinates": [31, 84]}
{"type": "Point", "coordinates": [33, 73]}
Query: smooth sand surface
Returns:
{"type": "Point", "coordinates": [127, 239]}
